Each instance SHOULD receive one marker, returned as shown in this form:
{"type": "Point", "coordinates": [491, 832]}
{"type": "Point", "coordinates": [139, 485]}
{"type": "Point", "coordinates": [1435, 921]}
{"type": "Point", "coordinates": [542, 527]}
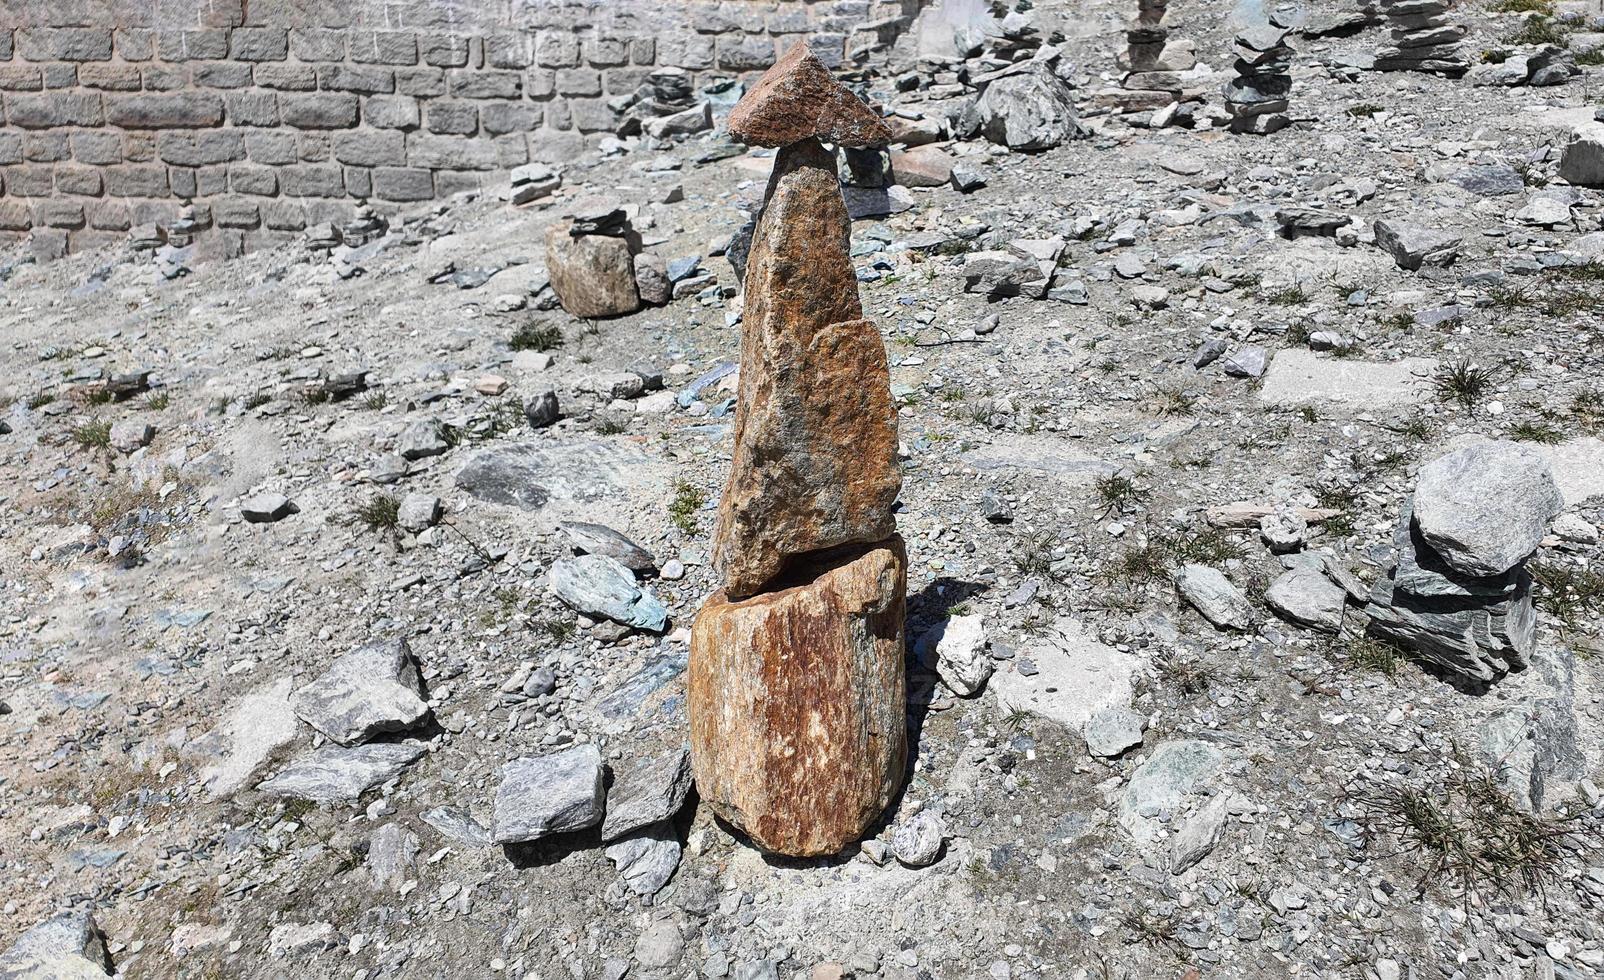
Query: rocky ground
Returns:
{"type": "Point", "coordinates": [1104, 784]}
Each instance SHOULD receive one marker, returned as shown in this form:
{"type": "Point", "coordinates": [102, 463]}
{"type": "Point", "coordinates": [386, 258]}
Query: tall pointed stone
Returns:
{"type": "Point", "coordinates": [815, 459]}
{"type": "Point", "coordinates": [798, 99]}
{"type": "Point", "coordinates": [796, 691]}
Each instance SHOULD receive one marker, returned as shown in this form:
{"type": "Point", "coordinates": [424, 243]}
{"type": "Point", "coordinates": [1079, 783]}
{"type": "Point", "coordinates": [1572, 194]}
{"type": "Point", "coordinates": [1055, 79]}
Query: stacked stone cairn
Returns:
{"type": "Point", "coordinates": [797, 698]}
{"type": "Point", "coordinates": [1257, 98]}
{"type": "Point", "coordinates": [1422, 38]}
{"type": "Point", "coordinates": [1459, 596]}
{"type": "Point", "coordinates": [590, 256]}
{"type": "Point", "coordinates": [1153, 61]}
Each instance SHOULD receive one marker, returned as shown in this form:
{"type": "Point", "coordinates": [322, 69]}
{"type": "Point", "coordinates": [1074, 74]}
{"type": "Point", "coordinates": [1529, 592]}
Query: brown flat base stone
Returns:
{"type": "Point", "coordinates": [797, 703]}
{"type": "Point", "coordinates": [593, 275]}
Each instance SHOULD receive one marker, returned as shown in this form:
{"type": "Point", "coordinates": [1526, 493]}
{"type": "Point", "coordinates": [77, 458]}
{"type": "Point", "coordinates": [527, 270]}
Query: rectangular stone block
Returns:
{"type": "Point", "coordinates": [46, 147]}
{"type": "Point", "coordinates": [449, 152]}
{"type": "Point", "coordinates": [557, 49]}
{"type": "Point", "coordinates": [14, 215]}
{"type": "Point", "coordinates": [314, 44]}
{"type": "Point", "coordinates": [511, 150]}
{"type": "Point", "coordinates": [643, 51]}
{"type": "Point", "coordinates": [356, 78]}
{"type": "Point", "coordinates": [259, 43]}
{"type": "Point", "coordinates": [176, 110]}
{"type": "Point", "coordinates": [314, 146]}
{"type": "Point", "coordinates": [138, 147]}
{"type": "Point", "coordinates": [284, 215]}
{"type": "Point", "coordinates": [134, 43]}
{"type": "Point", "coordinates": [371, 148]}
{"type": "Point", "coordinates": [425, 83]}
{"type": "Point", "coordinates": [192, 45]}
{"type": "Point", "coordinates": [592, 116]}
{"type": "Point", "coordinates": [221, 74]}
{"type": "Point", "coordinates": [233, 212]}
{"type": "Point", "coordinates": [324, 110]}
{"type": "Point", "coordinates": [403, 184]}
{"type": "Point", "coordinates": [164, 78]}
{"type": "Point", "coordinates": [136, 181]}
{"type": "Point", "coordinates": [745, 53]}
{"type": "Point", "coordinates": [78, 181]}
{"type": "Point", "coordinates": [359, 182]}
{"type": "Point", "coordinates": [7, 44]}
{"type": "Point", "coordinates": [384, 47]}
{"type": "Point", "coordinates": [579, 81]}
{"type": "Point", "coordinates": [551, 145]}
{"type": "Point", "coordinates": [624, 81]}
{"type": "Point", "coordinates": [449, 182]}
{"type": "Point", "coordinates": [96, 149]}
{"type": "Point", "coordinates": [198, 149]}
{"type": "Point", "coordinates": [109, 215]}
{"type": "Point", "coordinates": [605, 52]}
{"type": "Point", "coordinates": [286, 77]}
{"type": "Point", "coordinates": [58, 214]}
{"type": "Point", "coordinates": [21, 78]}
{"type": "Point", "coordinates": [788, 21]}
{"type": "Point", "coordinates": [247, 179]}
{"type": "Point", "coordinates": [443, 50]}
{"type": "Point", "coordinates": [486, 84]}
{"type": "Point", "coordinates": [509, 50]}
{"type": "Point", "coordinates": [273, 149]}
{"type": "Point", "coordinates": [10, 147]}
{"type": "Point", "coordinates": [499, 118]}
{"type": "Point", "coordinates": [53, 109]}
{"type": "Point", "coordinates": [60, 75]}
{"type": "Point", "coordinates": [30, 180]}
{"type": "Point", "coordinates": [117, 78]}
{"type": "Point", "coordinates": [64, 43]}
{"type": "Point", "coordinates": [451, 118]}
{"type": "Point", "coordinates": [312, 180]}
{"type": "Point", "coordinates": [391, 112]}
{"type": "Point", "coordinates": [254, 108]}
{"type": "Point", "coordinates": [540, 83]}
{"type": "Point", "coordinates": [693, 53]}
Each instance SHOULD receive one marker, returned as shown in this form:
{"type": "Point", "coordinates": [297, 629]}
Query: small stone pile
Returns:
{"type": "Point", "coordinates": [662, 106]}
{"type": "Point", "coordinates": [1152, 61]}
{"type": "Point", "coordinates": [1257, 98]}
{"type": "Point", "coordinates": [1459, 596]}
{"type": "Point", "coordinates": [796, 690]}
{"type": "Point", "coordinates": [1422, 38]}
{"type": "Point", "coordinates": [590, 256]}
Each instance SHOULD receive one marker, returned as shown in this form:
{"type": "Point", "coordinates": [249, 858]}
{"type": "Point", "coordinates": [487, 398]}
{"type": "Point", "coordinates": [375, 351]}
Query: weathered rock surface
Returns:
{"type": "Point", "coordinates": [649, 791]}
{"type": "Point", "coordinates": [597, 585]}
{"type": "Point", "coordinates": [814, 464]}
{"type": "Point", "coordinates": [262, 723]}
{"type": "Point", "coordinates": [955, 649]}
{"type": "Point", "coordinates": [1413, 245]}
{"type": "Point", "coordinates": [67, 946]}
{"type": "Point", "coordinates": [371, 690]}
{"type": "Point", "coordinates": [646, 860]}
{"type": "Point", "coordinates": [549, 794]}
{"type": "Point", "coordinates": [1485, 507]}
{"type": "Point", "coordinates": [1306, 597]}
{"type": "Point", "coordinates": [1032, 110]}
{"type": "Point", "coordinates": [336, 774]}
{"type": "Point", "coordinates": [593, 275]}
{"type": "Point", "coordinates": [798, 99]}
{"type": "Point", "coordinates": [797, 703]}
{"type": "Point", "coordinates": [1213, 595]}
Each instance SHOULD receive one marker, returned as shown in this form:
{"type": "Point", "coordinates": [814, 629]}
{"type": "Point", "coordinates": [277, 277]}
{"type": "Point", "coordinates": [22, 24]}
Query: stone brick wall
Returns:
{"type": "Point", "coordinates": [275, 114]}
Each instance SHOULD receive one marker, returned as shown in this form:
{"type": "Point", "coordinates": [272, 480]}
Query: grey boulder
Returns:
{"type": "Point", "coordinates": [917, 841]}
{"type": "Point", "coordinates": [1306, 597]}
{"type": "Point", "coordinates": [1415, 245]}
{"type": "Point", "coordinates": [66, 946]}
{"type": "Point", "coordinates": [1032, 110]}
{"type": "Point", "coordinates": [549, 794]}
{"type": "Point", "coordinates": [371, 690]}
{"type": "Point", "coordinates": [1213, 595]}
{"type": "Point", "coordinates": [648, 792]}
{"type": "Point", "coordinates": [1112, 731]}
{"type": "Point", "coordinates": [1485, 507]}
{"type": "Point", "coordinates": [597, 585]}
{"type": "Point", "coordinates": [267, 508]}
{"type": "Point", "coordinates": [646, 860]}
{"type": "Point", "coordinates": [336, 774]}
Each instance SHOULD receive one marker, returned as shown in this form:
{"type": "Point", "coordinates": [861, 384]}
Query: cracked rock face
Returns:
{"type": "Point", "coordinates": [815, 462]}
{"type": "Point", "coordinates": [797, 704]}
{"type": "Point", "coordinates": [1484, 508]}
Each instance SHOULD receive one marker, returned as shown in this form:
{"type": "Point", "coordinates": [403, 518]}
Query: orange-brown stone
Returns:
{"type": "Point", "coordinates": [593, 275]}
{"type": "Point", "coordinates": [814, 464]}
{"type": "Point", "coordinates": [797, 703]}
{"type": "Point", "coordinates": [797, 99]}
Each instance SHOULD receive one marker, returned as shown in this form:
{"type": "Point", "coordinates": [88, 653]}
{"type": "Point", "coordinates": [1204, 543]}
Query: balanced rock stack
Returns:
{"type": "Point", "coordinates": [1422, 38]}
{"type": "Point", "coordinates": [1460, 596]}
{"type": "Point", "coordinates": [1257, 97]}
{"type": "Point", "coordinates": [1153, 61]}
{"type": "Point", "coordinates": [796, 692]}
{"type": "Point", "coordinates": [590, 257]}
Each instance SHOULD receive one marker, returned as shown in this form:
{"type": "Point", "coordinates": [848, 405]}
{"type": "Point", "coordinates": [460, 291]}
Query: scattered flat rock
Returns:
{"type": "Point", "coordinates": [597, 585]}
{"type": "Point", "coordinates": [1485, 508]}
{"type": "Point", "coordinates": [649, 791]}
{"type": "Point", "coordinates": [646, 860]}
{"type": "Point", "coordinates": [66, 946]}
{"type": "Point", "coordinates": [1306, 597]}
{"type": "Point", "coordinates": [369, 691]}
{"type": "Point", "coordinates": [599, 539]}
{"type": "Point", "coordinates": [336, 774]}
{"type": "Point", "coordinates": [267, 508]}
{"type": "Point", "coordinates": [550, 794]}
{"type": "Point", "coordinates": [1213, 595]}
{"type": "Point", "coordinates": [1112, 731]}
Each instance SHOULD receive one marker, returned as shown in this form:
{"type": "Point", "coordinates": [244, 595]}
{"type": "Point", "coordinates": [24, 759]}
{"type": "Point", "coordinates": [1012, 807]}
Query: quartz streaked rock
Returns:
{"type": "Point", "coordinates": [797, 703]}
{"type": "Point", "coordinates": [815, 458]}
{"type": "Point", "coordinates": [597, 585]}
{"type": "Point", "coordinates": [797, 99]}
{"type": "Point", "coordinates": [336, 774]}
{"type": "Point", "coordinates": [549, 794]}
